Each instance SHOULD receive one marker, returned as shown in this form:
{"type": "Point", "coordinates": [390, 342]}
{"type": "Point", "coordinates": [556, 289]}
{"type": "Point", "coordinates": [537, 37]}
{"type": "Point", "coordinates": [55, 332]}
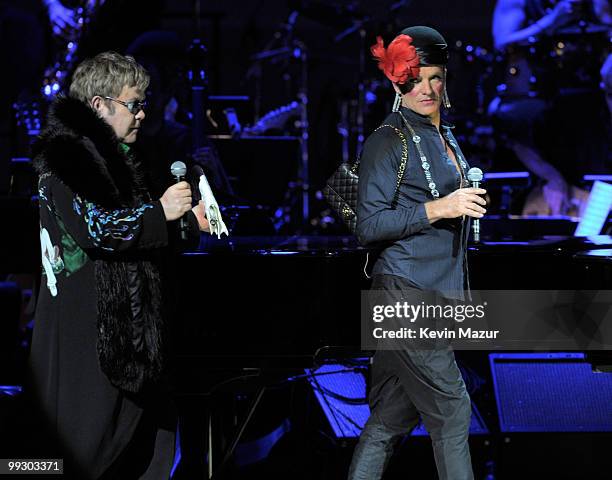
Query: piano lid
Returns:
{"type": "Point", "coordinates": [323, 245]}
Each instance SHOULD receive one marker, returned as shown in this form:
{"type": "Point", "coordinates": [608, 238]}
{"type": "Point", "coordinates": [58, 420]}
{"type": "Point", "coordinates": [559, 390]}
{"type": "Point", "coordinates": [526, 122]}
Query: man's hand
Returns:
{"type": "Point", "coordinates": [176, 201]}
{"type": "Point", "coordinates": [556, 194]}
{"type": "Point", "coordinates": [563, 13]}
{"type": "Point", "coordinates": [61, 18]}
{"type": "Point", "coordinates": [200, 212]}
{"type": "Point", "coordinates": [464, 201]}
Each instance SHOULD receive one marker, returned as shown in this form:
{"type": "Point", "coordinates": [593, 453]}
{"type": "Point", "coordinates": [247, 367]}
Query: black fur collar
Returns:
{"type": "Point", "coordinates": [83, 151]}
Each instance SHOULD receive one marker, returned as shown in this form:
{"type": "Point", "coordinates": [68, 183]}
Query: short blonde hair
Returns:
{"type": "Point", "coordinates": [106, 74]}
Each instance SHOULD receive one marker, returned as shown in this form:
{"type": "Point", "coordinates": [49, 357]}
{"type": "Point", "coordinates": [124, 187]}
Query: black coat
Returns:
{"type": "Point", "coordinates": [98, 335]}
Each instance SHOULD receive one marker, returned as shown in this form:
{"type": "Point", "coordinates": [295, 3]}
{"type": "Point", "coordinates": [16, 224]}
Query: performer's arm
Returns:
{"type": "Point", "coordinates": [115, 230]}
{"type": "Point", "coordinates": [603, 11]}
{"type": "Point", "coordinates": [509, 16]}
{"type": "Point", "coordinates": [377, 220]}
{"type": "Point", "coordinates": [61, 18]}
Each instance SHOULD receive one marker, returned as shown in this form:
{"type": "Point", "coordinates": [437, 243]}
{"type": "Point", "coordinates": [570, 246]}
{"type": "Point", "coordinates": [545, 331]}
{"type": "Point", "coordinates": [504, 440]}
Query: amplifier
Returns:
{"type": "Point", "coordinates": [550, 392]}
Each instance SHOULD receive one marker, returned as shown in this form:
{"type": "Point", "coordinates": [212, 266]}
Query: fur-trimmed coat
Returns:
{"type": "Point", "coordinates": [98, 328]}
{"type": "Point", "coordinates": [104, 210]}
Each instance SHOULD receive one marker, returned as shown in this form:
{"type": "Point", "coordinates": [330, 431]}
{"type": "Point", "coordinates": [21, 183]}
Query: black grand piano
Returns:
{"type": "Point", "coordinates": [283, 300]}
{"type": "Point", "coordinates": [256, 310]}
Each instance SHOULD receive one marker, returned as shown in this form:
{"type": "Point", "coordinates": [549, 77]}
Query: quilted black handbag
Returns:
{"type": "Point", "coordinates": [340, 190]}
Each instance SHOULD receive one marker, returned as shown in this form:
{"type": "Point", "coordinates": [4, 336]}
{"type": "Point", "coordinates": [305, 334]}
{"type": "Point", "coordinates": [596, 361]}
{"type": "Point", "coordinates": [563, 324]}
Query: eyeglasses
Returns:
{"type": "Point", "coordinates": [134, 107]}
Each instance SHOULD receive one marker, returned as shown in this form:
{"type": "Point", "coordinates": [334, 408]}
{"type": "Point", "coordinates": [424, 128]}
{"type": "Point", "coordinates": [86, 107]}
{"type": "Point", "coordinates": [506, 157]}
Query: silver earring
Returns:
{"type": "Point", "coordinates": [397, 102]}
{"type": "Point", "coordinates": [445, 99]}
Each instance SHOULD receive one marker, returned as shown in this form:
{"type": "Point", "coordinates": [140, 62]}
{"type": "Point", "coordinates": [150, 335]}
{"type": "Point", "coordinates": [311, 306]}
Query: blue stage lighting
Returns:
{"type": "Point", "coordinates": [505, 175]}
{"type": "Point", "coordinates": [10, 390]}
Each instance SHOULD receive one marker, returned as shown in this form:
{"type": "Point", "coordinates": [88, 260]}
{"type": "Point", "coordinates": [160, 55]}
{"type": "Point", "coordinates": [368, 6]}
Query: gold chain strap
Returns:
{"type": "Point", "coordinates": [403, 161]}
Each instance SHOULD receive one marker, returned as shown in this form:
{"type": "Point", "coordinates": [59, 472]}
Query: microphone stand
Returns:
{"type": "Point", "coordinates": [304, 159]}
{"type": "Point", "coordinates": [289, 47]}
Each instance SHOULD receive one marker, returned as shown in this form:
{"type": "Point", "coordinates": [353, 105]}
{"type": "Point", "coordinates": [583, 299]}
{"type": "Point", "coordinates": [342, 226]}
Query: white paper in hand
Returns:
{"type": "Point", "coordinates": [213, 214]}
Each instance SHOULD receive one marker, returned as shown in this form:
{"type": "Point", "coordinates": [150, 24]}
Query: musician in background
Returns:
{"type": "Point", "coordinates": [98, 348]}
{"type": "Point", "coordinates": [550, 105]}
{"type": "Point", "coordinates": [424, 231]}
{"type": "Point", "coordinates": [164, 139]}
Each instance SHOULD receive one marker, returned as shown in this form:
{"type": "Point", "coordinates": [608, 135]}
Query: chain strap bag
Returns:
{"type": "Point", "coordinates": [340, 190]}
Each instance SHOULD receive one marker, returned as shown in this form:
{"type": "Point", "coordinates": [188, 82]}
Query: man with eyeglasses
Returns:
{"type": "Point", "coordinates": [128, 125]}
{"type": "Point", "coordinates": [97, 358]}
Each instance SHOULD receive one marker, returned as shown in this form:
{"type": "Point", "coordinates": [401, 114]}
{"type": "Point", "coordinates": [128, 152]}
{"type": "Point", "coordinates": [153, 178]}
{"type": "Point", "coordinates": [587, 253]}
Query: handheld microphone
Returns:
{"type": "Point", "coordinates": [179, 170]}
{"type": "Point", "coordinates": [474, 176]}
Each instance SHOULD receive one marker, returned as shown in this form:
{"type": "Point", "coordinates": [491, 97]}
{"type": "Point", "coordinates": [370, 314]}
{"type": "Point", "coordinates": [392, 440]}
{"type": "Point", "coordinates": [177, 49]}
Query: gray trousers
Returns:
{"type": "Point", "coordinates": [407, 385]}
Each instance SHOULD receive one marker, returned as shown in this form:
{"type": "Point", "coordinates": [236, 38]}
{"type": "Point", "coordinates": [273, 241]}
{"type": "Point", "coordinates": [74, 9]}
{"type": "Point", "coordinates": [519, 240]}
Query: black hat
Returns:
{"type": "Point", "coordinates": [430, 45]}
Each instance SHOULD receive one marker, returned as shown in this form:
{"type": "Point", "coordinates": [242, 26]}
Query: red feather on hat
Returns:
{"type": "Point", "coordinates": [399, 61]}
